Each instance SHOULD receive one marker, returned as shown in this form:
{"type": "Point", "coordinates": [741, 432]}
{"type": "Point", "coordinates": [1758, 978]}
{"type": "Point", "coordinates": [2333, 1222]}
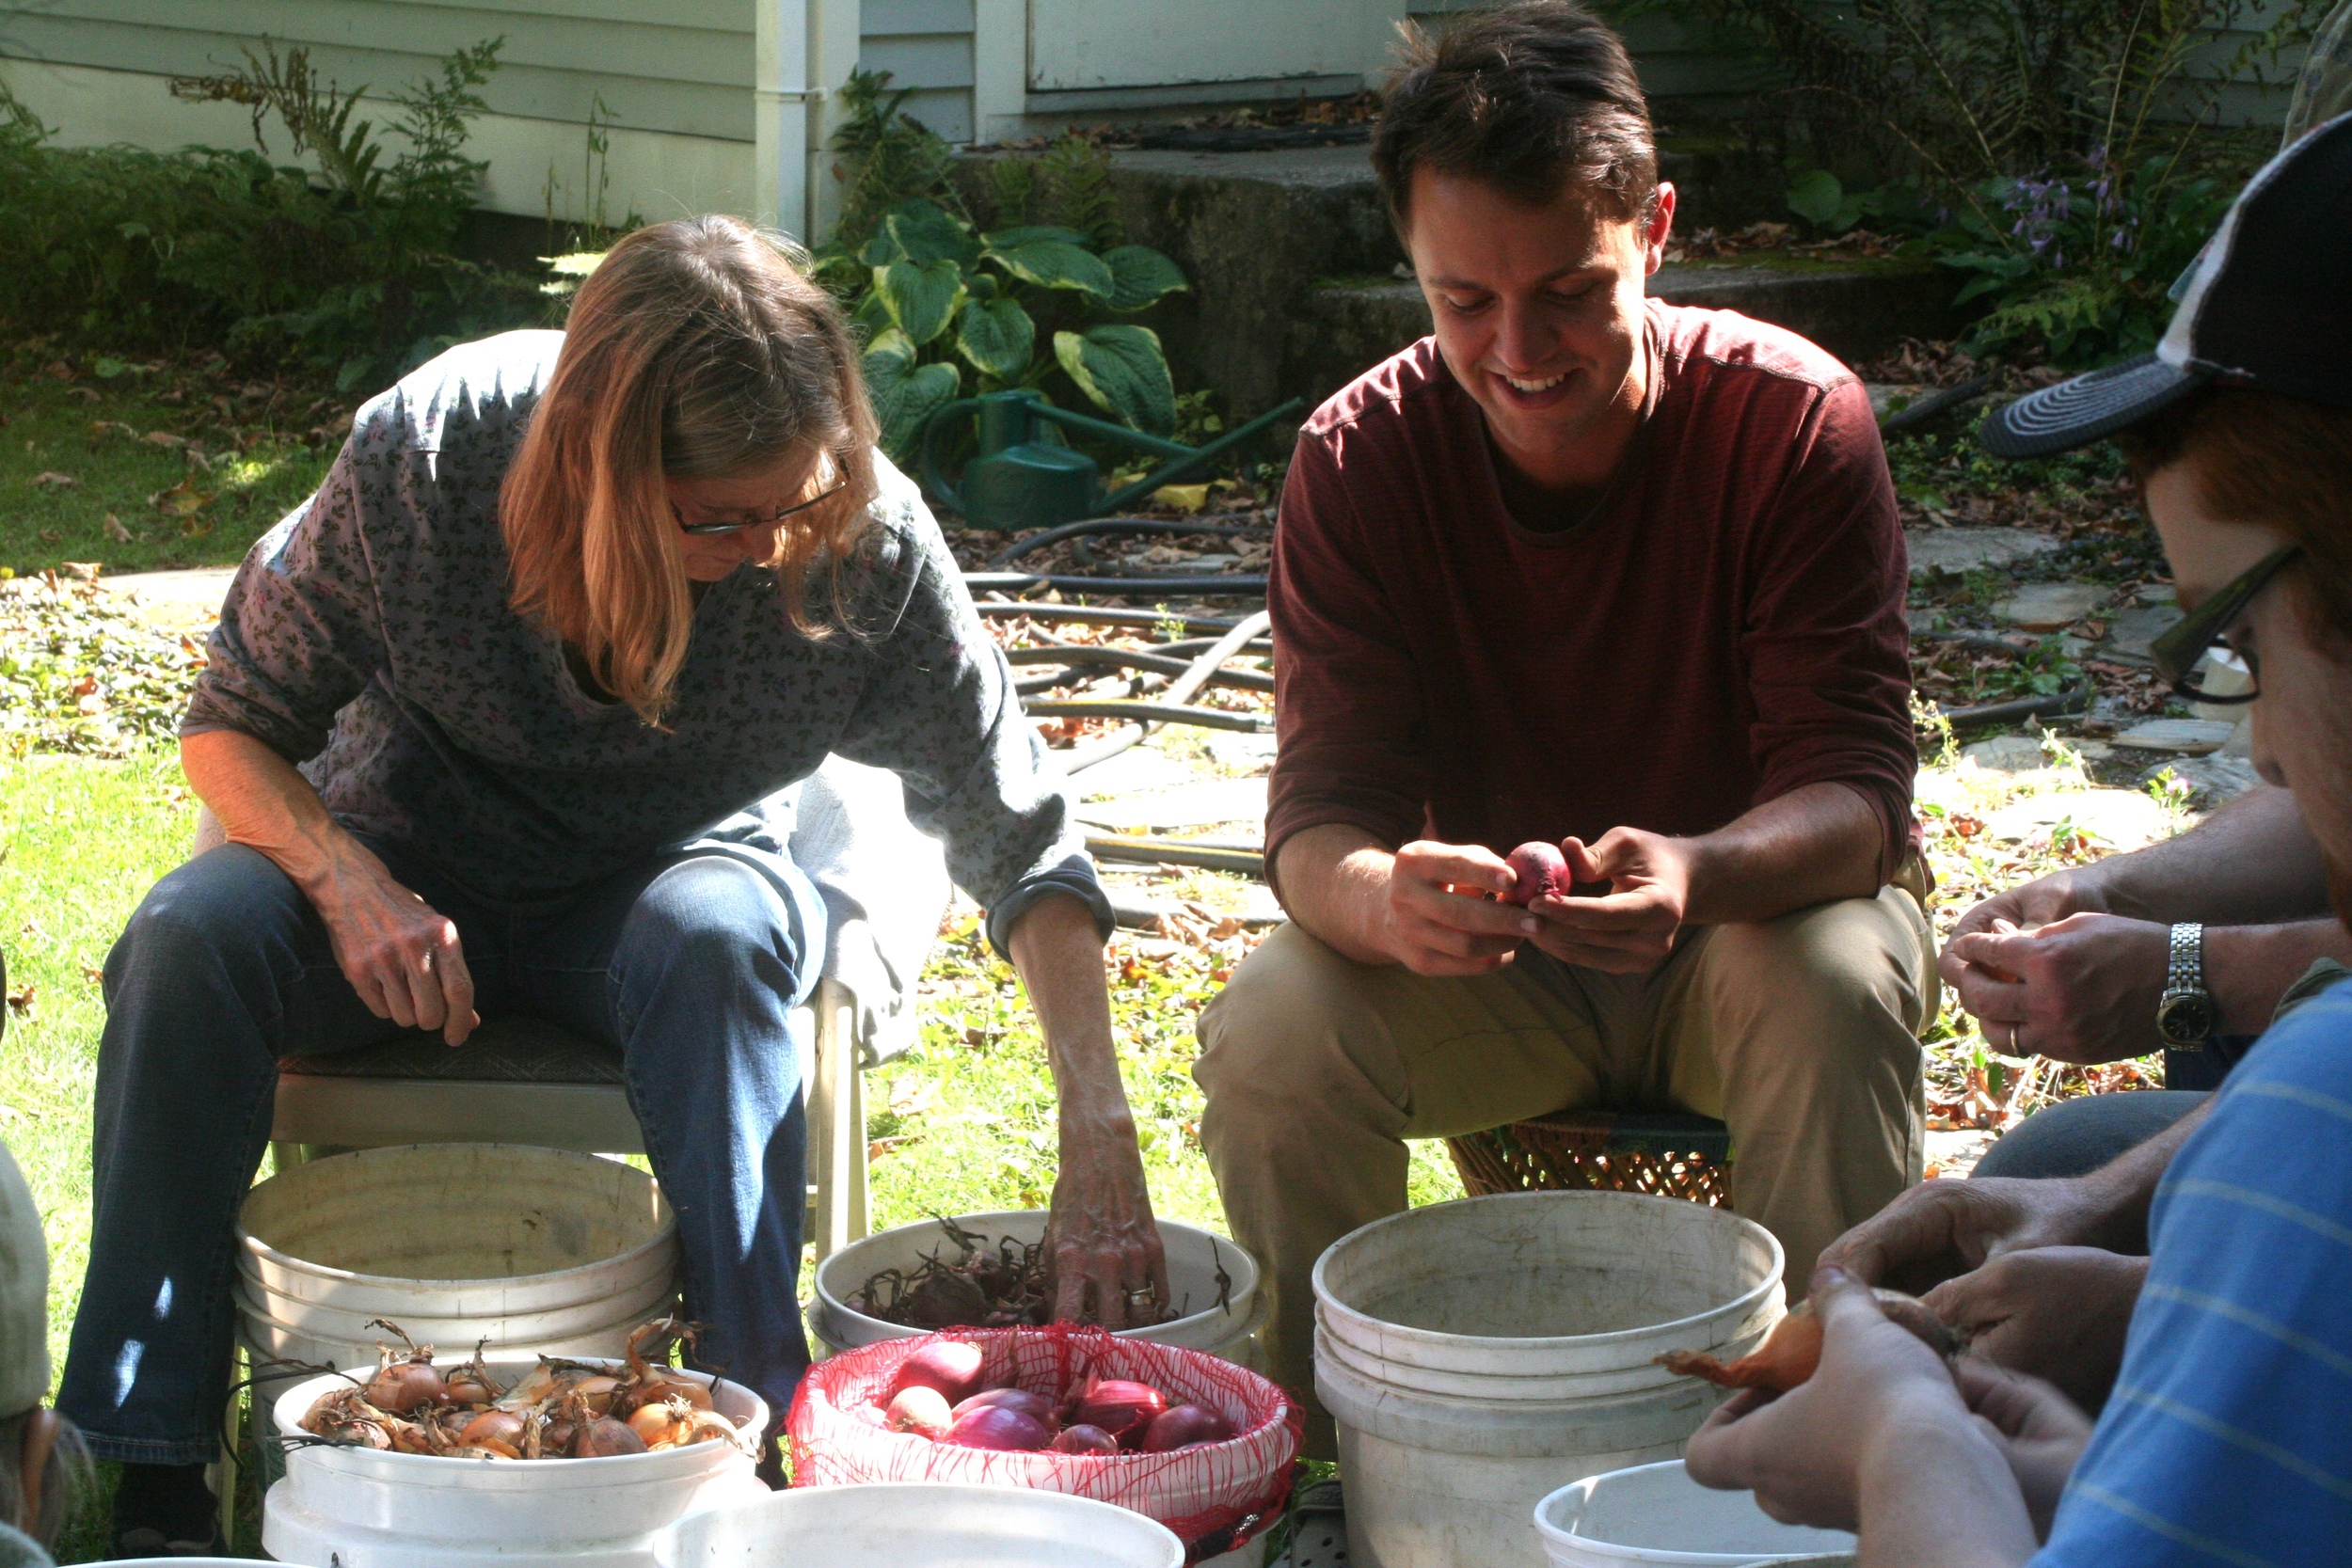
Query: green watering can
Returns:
{"type": "Point", "coordinates": [1020, 481]}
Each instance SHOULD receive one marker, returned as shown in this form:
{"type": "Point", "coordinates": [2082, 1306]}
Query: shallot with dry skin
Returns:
{"type": "Point", "coordinates": [1791, 1353]}
{"type": "Point", "coordinates": [558, 1410]}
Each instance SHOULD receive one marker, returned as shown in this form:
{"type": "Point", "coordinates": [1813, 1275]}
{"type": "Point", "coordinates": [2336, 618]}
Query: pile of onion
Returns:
{"type": "Point", "coordinates": [937, 1396]}
{"type": "Point", "coordinates": [558, 1410]}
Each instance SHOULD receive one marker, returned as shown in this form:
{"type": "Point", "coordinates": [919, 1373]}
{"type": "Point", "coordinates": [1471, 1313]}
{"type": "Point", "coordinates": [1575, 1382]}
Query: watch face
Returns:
{"type": "Point", "coordinates": [2186, 1018]}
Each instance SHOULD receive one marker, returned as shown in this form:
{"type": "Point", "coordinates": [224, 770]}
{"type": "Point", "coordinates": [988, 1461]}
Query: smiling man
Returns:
{"type": "Point", "coordinates": [1587, 568]}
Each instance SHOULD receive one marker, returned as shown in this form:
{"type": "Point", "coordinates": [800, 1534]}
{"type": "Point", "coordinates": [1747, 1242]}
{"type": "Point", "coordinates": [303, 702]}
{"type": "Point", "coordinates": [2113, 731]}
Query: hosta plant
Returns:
{"type": "Point", "coordinates": [940, 301]}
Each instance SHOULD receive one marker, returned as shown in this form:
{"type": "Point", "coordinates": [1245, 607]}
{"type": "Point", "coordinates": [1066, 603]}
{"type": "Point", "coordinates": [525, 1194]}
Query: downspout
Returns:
{"type": "Point", "coordinates": [785, 104]}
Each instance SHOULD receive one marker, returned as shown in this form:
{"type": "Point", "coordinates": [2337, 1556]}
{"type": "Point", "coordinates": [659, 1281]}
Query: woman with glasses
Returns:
{"type": "Point", "coordinates": [488, 721]}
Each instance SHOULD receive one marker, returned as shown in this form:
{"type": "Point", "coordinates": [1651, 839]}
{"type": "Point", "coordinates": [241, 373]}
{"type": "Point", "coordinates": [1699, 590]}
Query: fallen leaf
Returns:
{"type": "Point", "coordinates": [115, 531]}
{"type": "Point", "coordinates": [86, 570]}
{"type": "Point", "coordinates": [54, 482]}
{"type": "Point", "coordinates": [21, 1002]}
{"type": "Point", "coordinates": [94, 975]}
{"type": "Point", "coordinates": [912, 1096]}
{"type": "Point", "coordinates": [182, 499]}
{"type": "Point", "coordinates": [88, 395]}
{"type": "Point", "coordinates": [165, 440]}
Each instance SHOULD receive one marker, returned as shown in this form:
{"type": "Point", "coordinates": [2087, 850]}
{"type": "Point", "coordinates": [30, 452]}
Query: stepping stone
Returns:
{"type": "Point", "coordinates": [2122, 820]}
{"type": "Point", "coordinates": [2210, 780]}
{"type": "Point", "coordinates": [1966, 549]}
{"type": "Point", "coordinates": [2049, 606]}
{"type": "Point", "coordinates": [1250, 754]}
{"type": "Point", "coordinates": [2006, 754]}
{"type": "Point", "coordinates": [1133, 771]}
{"type": "Point", "coordinates": [2193, 737]}
{"type": "Point", "coordinates": [180, 600]}
{"type": "Point", "coordinates": [2130, 633]}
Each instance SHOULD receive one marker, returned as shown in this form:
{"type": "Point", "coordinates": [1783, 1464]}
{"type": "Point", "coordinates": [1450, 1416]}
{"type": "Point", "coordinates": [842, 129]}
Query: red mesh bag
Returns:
{"type": "Point", "coordinates": [1215, 1496]}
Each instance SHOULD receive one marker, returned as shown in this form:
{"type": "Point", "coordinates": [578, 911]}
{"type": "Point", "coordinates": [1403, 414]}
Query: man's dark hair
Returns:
{"type": "Point", "coordinates": [1528, 97]}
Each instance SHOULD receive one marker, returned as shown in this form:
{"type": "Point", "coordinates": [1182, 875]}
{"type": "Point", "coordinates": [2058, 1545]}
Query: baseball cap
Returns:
{"type": "Point", "coordinates": [24, 1294]}
{"type": "Point", "coordinates": [2267, 306]}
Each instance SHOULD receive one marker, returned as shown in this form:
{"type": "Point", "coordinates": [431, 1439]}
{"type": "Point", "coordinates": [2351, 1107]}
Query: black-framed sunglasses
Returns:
{"type": "Point", "coordinates": [704, 530]}
{"type": "Point", "coordinates": [2177, 653]}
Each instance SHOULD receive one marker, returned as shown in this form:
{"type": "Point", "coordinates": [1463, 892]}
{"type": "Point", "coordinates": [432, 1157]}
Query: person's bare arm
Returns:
{"type": "Point", "coordinates": [1422, 906]}
{"type": "Point", "coordinates": [2249, 861]}
{"type": "Point", "coordinates": [401, 956]}
{"type": "Point", "coordinates": [1941, 1229]}
{"type": "Point", "coordinates": [1104, 1241]}
{"type": "Point", "coordinates": [1812, 845]}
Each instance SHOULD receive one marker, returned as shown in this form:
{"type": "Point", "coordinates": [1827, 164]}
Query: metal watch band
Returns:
{"type": "Point", "coordinates": [2187, 971]}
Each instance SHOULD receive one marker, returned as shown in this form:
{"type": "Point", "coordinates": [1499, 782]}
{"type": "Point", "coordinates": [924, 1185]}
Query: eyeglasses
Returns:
{"type": "Point", "coordinates": [2177, 653]}
{"type": "Point", "coordinates": [704, 530]}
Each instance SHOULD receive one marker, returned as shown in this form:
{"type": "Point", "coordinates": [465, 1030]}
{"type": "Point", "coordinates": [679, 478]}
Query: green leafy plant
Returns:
{"type": "Point", "coordinates": [1023, 304]}
{"type": "Point", "coordinates": [2071, 144]}
{"type": "Point", "coordinates": [347, 261]}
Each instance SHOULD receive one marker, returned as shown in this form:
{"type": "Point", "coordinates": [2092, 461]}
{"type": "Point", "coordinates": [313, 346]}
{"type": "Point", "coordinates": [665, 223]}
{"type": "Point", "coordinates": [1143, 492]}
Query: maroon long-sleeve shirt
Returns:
{"type": "Point", "coordinates": [1725, 627]}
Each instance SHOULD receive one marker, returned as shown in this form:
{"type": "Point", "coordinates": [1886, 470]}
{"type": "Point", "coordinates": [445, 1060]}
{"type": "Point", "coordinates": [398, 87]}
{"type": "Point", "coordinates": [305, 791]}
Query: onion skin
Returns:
{"type": "Point", "coordinates": [403, 1387]}
{"type": "Point", "coordinates": [604, 1437]}
{"type": "Point", "coordinates": [919, 1409]}
{"type": "Point", "coordinates": [1183, 1426]}
{"type": "Point", "coordinates": [491, 1429]}
{"type": "Point", "coordinates": [1083, 1439]}
{"type": "Point", "coordinates": [1036, 1406]}
{"type": "Point", "coordinates": [999, 1426]}
{"type": "Point", "coordinates": [951, 1367]}
{"type": "Point", "coordinates": [1791, 1353]}
{"type": "Point", "coordinates": [1537, 868]}
{"type": "Point", "coordinates": [1119, 1407]}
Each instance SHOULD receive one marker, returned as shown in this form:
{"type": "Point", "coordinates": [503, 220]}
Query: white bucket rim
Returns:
{"type": "Point", "coordinates": [255, 1249]}
{"type": "Point", "coordinates": [1594, 1546]}
{"type": "Point", "coordinates": [1439, 1340]}
{"type": "Point", "coordinates": [633, 1307]}
{"type": "Point", "coordinates": [793, 1498]}
{"type": "Point", "coordinates": [833, 1306]}
{"type": "Point", "coordinates": [430, 1467]}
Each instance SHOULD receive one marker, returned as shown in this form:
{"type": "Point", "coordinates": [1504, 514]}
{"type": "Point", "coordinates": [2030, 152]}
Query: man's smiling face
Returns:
{"type": "Point", "coordinates": [1538, 315]}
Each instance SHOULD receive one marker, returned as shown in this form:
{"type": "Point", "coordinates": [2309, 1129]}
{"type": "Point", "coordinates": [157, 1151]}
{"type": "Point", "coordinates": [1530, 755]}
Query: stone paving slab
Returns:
{"type": "Point", "coordinates": [2189, 736]}
{"type": "Point", "coordinates": [2049, 606]}
{"type": "Point", "coordinates": [1967, 549]}
{"type": "Point", "coordinates": [177, 599]}
{"type": "Point", "coordinates": [1194, 805]}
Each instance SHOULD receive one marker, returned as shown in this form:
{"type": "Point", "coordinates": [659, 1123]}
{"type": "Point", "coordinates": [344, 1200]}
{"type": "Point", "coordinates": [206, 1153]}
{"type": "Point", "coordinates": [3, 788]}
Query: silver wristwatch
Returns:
{"type": "Point", "coordinates": [2186, 1013]}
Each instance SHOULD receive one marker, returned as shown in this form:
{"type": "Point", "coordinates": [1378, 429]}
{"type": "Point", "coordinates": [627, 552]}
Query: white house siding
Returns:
{"type": "Point", "coordinates": [926, 45]}
{"type": "Point", "coordinates": [672, 81]}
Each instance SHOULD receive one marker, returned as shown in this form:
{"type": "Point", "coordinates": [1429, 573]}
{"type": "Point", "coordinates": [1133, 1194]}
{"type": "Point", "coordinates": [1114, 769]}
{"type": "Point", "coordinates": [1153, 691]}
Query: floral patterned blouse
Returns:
{"type": "Point", "coordinates": [368, 639]}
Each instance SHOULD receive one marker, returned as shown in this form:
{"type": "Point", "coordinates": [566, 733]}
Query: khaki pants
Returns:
{"type": "Point", "coordinates": [1801, 1033]}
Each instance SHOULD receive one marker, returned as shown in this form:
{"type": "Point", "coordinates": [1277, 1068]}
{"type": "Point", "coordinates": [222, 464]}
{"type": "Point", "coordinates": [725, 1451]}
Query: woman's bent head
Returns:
{"type": "Point", "coordinates": [705, 385]}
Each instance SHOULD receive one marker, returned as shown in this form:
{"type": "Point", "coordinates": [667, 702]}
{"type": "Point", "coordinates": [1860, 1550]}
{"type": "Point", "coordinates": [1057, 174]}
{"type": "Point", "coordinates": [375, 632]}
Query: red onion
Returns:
{"type": "Point", "coordinates": [996, 1426]}
{"type": "Point", "coordinates": [1183, 1426]}
{"type": "Point", "coordinates": [403, 1386]}
{"type": "Point", "coordinates": [949, 1366]}
{"type": "Point", "coordinates": [1536, 869]}
{"type": "Point", "coordinates": [1118, 1407]}
{"type": "Point", "coordinates": [605, 1437]}
{"type": "Point", "coordinates": [919, 1409]}
{"type": "Point", "coordinates": [1085, 1439]}
{"type": "Point", "coordinates": [1036, 1406]}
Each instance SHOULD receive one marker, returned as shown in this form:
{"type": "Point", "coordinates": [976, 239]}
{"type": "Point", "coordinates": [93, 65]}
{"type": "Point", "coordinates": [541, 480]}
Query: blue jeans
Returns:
{"type": "Point", "coordinates": [690, 963]}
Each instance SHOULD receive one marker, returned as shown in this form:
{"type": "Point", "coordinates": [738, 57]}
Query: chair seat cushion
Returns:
{"type": "Point", "coordinates": [511, 1048]}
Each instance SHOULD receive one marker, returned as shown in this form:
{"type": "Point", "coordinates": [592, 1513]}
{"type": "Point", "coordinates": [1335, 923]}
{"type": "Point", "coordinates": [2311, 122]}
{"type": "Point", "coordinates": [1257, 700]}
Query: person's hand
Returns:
{"type": "Point", "coordinates": [2057, 1313]}
{"type": "Point", "coordinates": [2081, 989]}
{"type": "Point", "coordinates": [1102, 1244]}
{"type": "Point", "coordinates": [1938, 1229]}
{"type": "Point", "coordinates": [1438, 920]}
{"type": "Point", "coordinates": [1633, 925]}
{"type": "Point", "coordinates": [1802, 1453]}
{"type": "Point", "coordinates": [400, 953]}
{"type": "Point", "coordinates": [2039, 1431]}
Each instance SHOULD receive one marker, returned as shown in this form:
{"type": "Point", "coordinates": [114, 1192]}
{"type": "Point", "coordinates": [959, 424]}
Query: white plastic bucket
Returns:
{"type": "Point", "coordinates": [1656, 1513]}
{"type": "Point", "coordinates": [536, 1250]}
{"type": "Point", "coordinates": [1477, 1355]}
{"type": "Point", "coordinates": [1194, 1257]}
{"type": "Point", "coordinates": [366, 1508]}
{"type": "Point", "coordinates": [933, 1524]}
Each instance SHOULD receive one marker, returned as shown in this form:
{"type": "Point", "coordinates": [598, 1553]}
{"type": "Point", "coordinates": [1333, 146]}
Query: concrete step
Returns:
{"type": "Point", "coordinates": [1855, 310]}
{"type": "Point", "coordinates": [1273, 242]}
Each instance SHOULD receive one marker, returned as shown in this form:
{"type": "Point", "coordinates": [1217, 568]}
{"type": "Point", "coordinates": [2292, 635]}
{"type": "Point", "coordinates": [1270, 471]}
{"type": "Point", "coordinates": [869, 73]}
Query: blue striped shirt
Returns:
{"type": "Point", "coordinates": [2229, 1436]}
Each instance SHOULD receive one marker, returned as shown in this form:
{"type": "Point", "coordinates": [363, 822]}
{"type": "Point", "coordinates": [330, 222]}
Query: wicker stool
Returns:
{"type": "Point", "coordinates": [1668, 1154]}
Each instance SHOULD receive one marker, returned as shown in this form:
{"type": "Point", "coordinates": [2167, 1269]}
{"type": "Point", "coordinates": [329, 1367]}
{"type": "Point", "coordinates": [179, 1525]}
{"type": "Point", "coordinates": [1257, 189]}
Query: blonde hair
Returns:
{"type": "Point", "coordinates": [698, 348]}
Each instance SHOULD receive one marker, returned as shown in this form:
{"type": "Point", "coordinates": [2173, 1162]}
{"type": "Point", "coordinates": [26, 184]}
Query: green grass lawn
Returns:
{"type": "Point", "coordinates": [149, 464]}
